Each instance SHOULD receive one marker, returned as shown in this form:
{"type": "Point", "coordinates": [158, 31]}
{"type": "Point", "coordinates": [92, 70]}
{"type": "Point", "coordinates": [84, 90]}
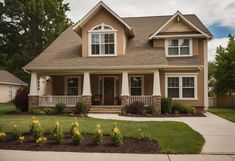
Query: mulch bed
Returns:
{"type": "Point", "coordinates": [166, 115]}
{"type": "Point", "coordinates": [129, 145]}
{"type": "Point", "coordinates": [53, 114]}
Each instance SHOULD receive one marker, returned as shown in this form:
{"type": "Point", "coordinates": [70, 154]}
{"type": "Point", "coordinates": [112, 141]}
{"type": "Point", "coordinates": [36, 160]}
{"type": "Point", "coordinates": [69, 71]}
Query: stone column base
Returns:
{"type": "Point", "coordinates": [125, 100]}
{"type": "Point", "coordinates": [157, 104]}
{"type": "Point", "coordinates": [87, 100]}
{"type": "Point", "coordinates": [33, 102]}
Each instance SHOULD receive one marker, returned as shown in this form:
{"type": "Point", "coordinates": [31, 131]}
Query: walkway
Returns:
{"type": "Point", "coordinates": [14, 155]}
{"type": "Point", "coordinates": [218, 132]}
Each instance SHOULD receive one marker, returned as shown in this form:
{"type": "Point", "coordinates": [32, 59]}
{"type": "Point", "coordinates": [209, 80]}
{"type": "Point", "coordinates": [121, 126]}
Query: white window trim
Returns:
{"type": "Point", "coordinates": [180, 76]}
{"type": "Point", "coordinates": [66, 84]}
{"type": "Point", "coordinates": [190, 48]}
{"type": "Point", "coordinates": [142, 84]}
{"type": "Point", "coordinates": [102, 31]}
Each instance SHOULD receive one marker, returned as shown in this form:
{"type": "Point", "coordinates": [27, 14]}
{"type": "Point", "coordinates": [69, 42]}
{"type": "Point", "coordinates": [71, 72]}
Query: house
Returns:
{"type": "Point", "coordinates": [109, 61]}
{"type": "Point", "coordinates": [9, 84]}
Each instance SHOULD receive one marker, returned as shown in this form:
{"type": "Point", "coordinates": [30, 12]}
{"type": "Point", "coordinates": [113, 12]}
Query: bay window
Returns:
{"type": "Point", "coordinates": [178, 47]}
{"type": "Point", "coordinates": [181, 86]}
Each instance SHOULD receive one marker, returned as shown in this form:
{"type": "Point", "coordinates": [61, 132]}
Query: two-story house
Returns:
{"type": "Point", "coordinates": [109, 61]}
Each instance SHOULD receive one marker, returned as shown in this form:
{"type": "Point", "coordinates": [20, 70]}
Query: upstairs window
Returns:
{"type": "Point", "coordinates": [178, 47]}
{"type": "Point", "coordinates": [102, 41]}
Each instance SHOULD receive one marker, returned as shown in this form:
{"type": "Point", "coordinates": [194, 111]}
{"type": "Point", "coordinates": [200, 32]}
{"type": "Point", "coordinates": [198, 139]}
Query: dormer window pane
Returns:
{"type": "Point", "coordinates": [107, 28]}
{"type": "Point", "coordinates": [98, 28]}
{"type": "Point", "coordinates": [178, 47]}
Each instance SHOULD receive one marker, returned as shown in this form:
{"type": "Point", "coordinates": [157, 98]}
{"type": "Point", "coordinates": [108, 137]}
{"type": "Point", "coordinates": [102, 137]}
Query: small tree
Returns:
{"type": "Point", "coordinates": [225, 68]}
{"type": "Point", "coordinates": [21, 98]}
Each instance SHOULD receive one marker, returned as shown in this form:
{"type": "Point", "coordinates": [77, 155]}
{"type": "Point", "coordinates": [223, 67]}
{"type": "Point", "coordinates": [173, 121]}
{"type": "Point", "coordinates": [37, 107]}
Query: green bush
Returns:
{"type": "Point", "coordinates": [21, 99]}
{"type": "Point", "coordinates": [179, 108]}
{"type": "Point", "coordinates": [16, 133]}
{"type": "Point", "coordinates": [150, 109]}
{"type": "Point", "coordinates": [116, 135]}
{"type": "Point", "coordinates": [58, 134]}
{"type": "Point", "coordinates": [98, 135]}
{"type": "Point", "coordinates": [48, 110]}
{"type": "Point", "coordinates": [38, 112]}
{"type": "Point", "coordinates": [60, 107]}
{"type": "Point", "coordinates": [75, 125]}
{"type": "Point", "coordinates": [82, 107]}
{"type": "Point", "coordinates": [135, 108]}
{"type": "Point", "coordinates": [77, 137]}
{"type": "Point", "coordinates": [166, 105]}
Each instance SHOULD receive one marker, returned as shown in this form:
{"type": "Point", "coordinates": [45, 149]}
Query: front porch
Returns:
{"type": "Point", "coordinates": [96, 89]}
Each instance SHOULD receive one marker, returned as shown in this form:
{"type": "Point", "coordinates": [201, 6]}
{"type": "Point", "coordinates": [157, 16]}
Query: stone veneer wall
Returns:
{"type": "Point", "coordinates": [33, 102]}
{"type": "Point", "coordinates": [87, 100]}
{"type": "Point", "coordinates": [156, 100]}
{"type": "Point", "coordinates": [124, 100]}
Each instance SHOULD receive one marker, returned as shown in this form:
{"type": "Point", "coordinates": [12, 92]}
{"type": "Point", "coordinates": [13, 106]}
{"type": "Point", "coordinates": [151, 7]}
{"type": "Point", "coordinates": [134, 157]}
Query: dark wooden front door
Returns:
{"type": "Point", "coordinates": [108, 91]}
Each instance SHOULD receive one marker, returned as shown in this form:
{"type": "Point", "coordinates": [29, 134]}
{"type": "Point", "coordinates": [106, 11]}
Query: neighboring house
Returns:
{"type": "Point", "coordinates": [9, 84]}
{"type": "Point", "coordinates": [104, 57]}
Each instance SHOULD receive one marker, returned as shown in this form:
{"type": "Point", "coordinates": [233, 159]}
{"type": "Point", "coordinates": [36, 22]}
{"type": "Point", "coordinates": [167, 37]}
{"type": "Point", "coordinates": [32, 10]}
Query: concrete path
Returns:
{"type": "Point", "coordinates": [218, 132]}
{"type": "Point", "coordinates": [14, 155]}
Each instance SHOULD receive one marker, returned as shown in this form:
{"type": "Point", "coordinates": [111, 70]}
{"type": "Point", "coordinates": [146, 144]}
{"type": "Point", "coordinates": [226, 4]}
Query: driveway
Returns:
{"type": "Point", "coordinates": [218, 132]}
{"type": "Point", "coordinates": [14, 155]}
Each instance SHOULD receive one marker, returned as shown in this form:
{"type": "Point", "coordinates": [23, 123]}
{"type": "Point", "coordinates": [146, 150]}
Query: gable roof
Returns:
{"type": "Point", "coordinates": [96, 9]}
{"type": "Point", "coordinates": [65, 52]}
{"type": "Point", "coordinates": [8, 78]}
{"type": "Point", "coordinates": [196, 26]}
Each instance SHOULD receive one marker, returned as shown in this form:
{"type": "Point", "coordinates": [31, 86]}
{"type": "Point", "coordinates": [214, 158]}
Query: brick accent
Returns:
{"type": "Point", "coordinates": [124, 100]}
{"type": "Point", "coordinates": [33, 102]}
{"type": "Point", "coordinates": [87, 100]}
{"type": "Point", "coordinates": [157, 104]}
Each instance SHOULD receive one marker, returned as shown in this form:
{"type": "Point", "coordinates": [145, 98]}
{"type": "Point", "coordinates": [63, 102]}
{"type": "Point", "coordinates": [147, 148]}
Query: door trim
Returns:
{"type": "Point", "coordinates": [115, 87]}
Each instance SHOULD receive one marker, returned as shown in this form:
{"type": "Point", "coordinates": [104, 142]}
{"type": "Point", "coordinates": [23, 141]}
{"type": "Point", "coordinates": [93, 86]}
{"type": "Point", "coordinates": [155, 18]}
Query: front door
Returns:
{"type": "Point", "coordinates": [108, 91]}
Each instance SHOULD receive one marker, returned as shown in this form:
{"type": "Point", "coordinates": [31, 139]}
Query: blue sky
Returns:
{"type": "Point", "coordinates": [217, 15]}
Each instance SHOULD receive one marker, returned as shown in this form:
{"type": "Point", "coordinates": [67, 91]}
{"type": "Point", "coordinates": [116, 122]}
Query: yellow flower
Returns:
{"type": "Point", "coordinates": [34, 118]}
{"type": "Point", "coordinates": [2, 134]}
{"type": "Point", "coordinates": [138, 129]}
{"type": "Point", "coordinates": [116, 130]}
{"type": "Point", "coordinates": [41, 140]}
{"type": "Point", "coordinates": [98, 126]}
{"type": "Point", "coordinates": [57, 124]}
{"type": "Point", "coordinates": [15, 126]}
{"type": "Point", "coordinates": [21, 139]}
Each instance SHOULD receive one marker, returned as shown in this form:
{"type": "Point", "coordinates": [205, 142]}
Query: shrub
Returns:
{"type": "Point", "coordinates": [58, 134]}
{"type": "Point", "coordinates": [38, 112]}
{"type": "Point", "coordinates": [116, 135]}
{"type": "Point", "coordinates": [76, 137]}
{"type": "Point", "coordinates": [41, 140]}
{"type": "Point", "coordinates": [166, 105]}
{"type": "Point", "coordinates": [135, 108]}
{"type": "Point", "coordinates": [177, 107]}
{"type": "Point", "coordinates": [98, 135]}
{"type": "Point", "coordinates": [189, 109]}
{"type": "Point", "coordinates": [82, 107]}
{"type": "Point", "coordinates": [60, 107]}
{"type": "Point", "coordinates": [21, 139]}
{"type": "Point", "coordinates": [74, 126]}
{"type": "Point", "coordinates": [21, 99]}
{"type": "Point", "coordinates": [2, 135]}
{"type": "Point", "coordinates": [48, 110]}
{"type": "Point", "coordinates": [16, 133]}
{"type": "Point", "coordinates": [150, 109]}
{"type": "Point", "coordinates": [35, 128]}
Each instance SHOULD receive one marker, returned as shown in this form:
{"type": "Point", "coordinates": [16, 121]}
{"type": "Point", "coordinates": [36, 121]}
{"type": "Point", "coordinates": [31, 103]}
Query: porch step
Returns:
{"type": "Point", "coordinates": [105, 109]}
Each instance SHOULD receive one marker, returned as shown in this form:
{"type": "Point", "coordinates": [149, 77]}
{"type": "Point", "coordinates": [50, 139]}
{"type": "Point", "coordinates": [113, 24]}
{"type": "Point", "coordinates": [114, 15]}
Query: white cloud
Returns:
{"type": "Point", "coordinates": [213, 44]}
{"type": "Point", "coordinates": [210, 11]}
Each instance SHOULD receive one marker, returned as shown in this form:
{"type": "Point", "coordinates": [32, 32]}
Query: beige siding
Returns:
{"type": "Point", "coordinates": [148, 84]}
{"type": "Point", "coordinates": [103, 17]}
{"type": "Point", "coordinates": [200, 88]}
{"type": "Point", "coordinates": [4, 92]}
{"type": "Point", "coordinates": [177, 26]}
{"type": "Point", "coordinates": [159, 43]}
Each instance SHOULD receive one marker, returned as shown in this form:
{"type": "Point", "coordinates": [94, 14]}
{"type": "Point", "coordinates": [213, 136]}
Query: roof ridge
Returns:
{"type": "Point", "coordinates": [158, 16]}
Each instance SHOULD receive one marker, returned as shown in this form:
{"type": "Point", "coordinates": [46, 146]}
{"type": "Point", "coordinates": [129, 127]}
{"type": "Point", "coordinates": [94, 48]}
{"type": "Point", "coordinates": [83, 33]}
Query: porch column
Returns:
{"type": "Point", "coordinates": [125, 89]}
{"type": "Point", "coordinates": [156, 98]}
{"type": "Point", "coordinates": [86, 93]}
{"type": "Point", "coordinates": [33, 93]}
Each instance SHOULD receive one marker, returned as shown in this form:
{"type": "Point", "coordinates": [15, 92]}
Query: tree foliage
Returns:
{"type": "Point", "coordinates": [225, 68]}
{"type": "Point", "coordinates": [27, 27]}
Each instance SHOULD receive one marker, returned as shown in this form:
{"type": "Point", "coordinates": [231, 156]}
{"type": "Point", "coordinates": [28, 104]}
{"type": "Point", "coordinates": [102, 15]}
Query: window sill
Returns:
{"type": "Point", "coordinates": [109, 55]}
{"type": "Point", "coordinates": [179, 55]}
{"type": "Point", "coordinates": [186, 99]}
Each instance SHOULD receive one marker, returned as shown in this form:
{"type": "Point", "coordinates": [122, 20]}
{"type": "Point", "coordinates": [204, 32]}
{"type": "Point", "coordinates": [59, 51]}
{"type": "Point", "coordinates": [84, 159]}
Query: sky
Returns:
{"type": "Point", "coordinates": [217, 15]}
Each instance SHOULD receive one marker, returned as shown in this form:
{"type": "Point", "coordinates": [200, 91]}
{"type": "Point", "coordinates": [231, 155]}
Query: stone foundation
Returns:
{"type": "Point", "coordinates": [124, 101]}
{"type": "Point", "coordinates": [156, 100]}
{"type": "Point", "coordinates": [87, 100]}
{"type": "Point", "coordinates": [33, 102]}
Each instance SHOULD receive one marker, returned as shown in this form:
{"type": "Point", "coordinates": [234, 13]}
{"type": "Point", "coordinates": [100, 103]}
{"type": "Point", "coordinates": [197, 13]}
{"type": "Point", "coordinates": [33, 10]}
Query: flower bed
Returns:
{"type": "Point", "coordinates": [106, 146]}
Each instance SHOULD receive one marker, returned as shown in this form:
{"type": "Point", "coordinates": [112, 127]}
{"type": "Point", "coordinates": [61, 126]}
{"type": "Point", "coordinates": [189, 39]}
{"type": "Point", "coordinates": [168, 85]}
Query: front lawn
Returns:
{"type": "Point", "coordinates": [172, 137]}
{"type": "Point", "coordinates": [226, 113]}
{"type": "Point", "coordinates": [6, 107]}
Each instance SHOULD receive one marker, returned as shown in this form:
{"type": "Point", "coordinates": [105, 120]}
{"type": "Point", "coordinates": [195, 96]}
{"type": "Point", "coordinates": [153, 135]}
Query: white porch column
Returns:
{"type": "Point", "coordinates": [156, 84]}
{"type": "Point", "coordinates": [125, 84]}
{"type": "Point", "coordinates": [86, 85]}
{"type": "Point", "coordinates": [33, 84]}
{"type": "Point", "coordinates": [205, 45]}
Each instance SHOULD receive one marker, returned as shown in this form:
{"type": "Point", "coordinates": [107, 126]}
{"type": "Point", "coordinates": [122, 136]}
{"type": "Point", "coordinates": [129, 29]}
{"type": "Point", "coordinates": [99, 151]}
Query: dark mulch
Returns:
{"type": "Point", "coordinates": [166, 115]}
{"type": "Point", "coordinates": [129, 145]}
{"type": "Point", "coordinates": [52, 114]}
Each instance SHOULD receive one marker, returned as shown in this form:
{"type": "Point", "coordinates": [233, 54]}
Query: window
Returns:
{"type": "Point", "coordinates": [73, 85]}
{"type": "Point", "coordinates": [181, 86]}
{"type": "Point", "coordinates": [178, 47]}
{"type": "Point", "coordinates": [136, 85]}
{"type": "Point", "coordinates": [10, 93]}
{"type": "Point", "coordinates": [102, 41]}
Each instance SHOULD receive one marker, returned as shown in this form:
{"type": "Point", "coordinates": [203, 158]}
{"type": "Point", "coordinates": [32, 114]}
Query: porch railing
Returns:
{"type": "Point", "coordinates": [53, 100]}
{"type": "Point", "coordinates": [146, 100]}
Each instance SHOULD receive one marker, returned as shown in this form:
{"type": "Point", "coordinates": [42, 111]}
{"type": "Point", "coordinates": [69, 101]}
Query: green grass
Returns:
{"type": "Point", "coordinates": [6, 107]}
{"type": "Point", "coordinates": [172, 137]}
{"type": "Point", "coordinates": [226, 113]}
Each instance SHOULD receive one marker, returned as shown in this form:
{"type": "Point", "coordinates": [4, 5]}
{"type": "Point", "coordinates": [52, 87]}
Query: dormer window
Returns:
{"type": "Point", "coordinates": [178, 47]}
{"type": "Point", "coordinates": [102, 41]}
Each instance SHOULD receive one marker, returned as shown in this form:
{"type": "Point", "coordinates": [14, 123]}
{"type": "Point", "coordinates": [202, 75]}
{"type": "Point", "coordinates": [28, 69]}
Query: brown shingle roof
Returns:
{"type": "Point", "coordinates": [65, 51]}
{"type": "Point", "coordinates": [8, 78]}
